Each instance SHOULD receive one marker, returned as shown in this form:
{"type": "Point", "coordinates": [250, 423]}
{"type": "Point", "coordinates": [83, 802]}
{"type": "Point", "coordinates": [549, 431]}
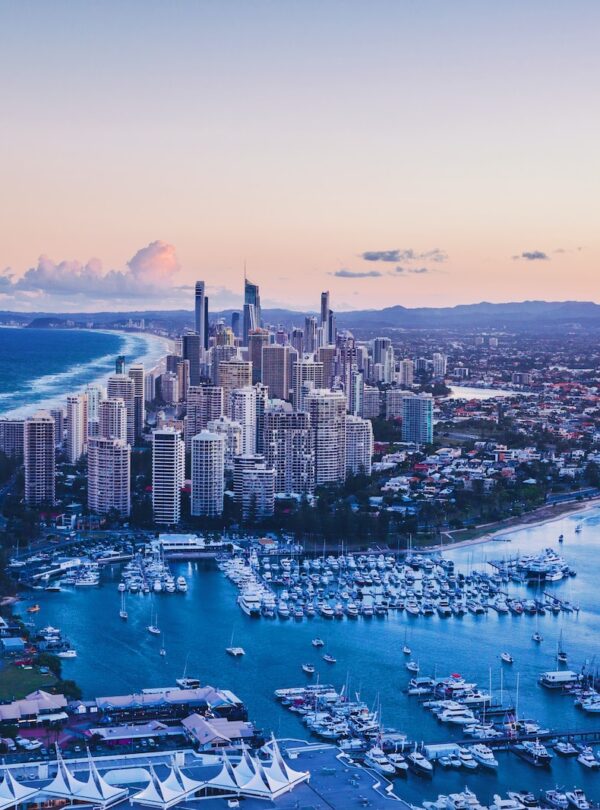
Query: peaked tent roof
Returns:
{"type": "Point", "coordinates": [158, 793]}
{"type": "Point", "coordinates": [177, 780]}
{"type": "Point", "coordinates": [225, 779]}
{"type": "Point", "coordinates": [13, 792]}
{"type": "Point", "coordinates": [64, 784]}
{"type": "Point", "coordinates": [279, 765]}
{"type": "Point", "coordinates": [244, 770]}
{"type": "Point", "coordinates": [99, 790]}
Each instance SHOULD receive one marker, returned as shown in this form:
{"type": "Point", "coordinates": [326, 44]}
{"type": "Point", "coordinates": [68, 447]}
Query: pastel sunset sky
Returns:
{"type": "Point", "coordinates": [416, 152]}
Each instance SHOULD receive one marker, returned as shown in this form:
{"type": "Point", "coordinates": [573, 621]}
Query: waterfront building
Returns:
{"type": "Point", "coordinates": [242, 409]}
{"type": "Point", "coordinates": [327, 411]}
{"type": "Point", "coordinates": [359, 445]}
{"type": "Point", "coordinates": [39, 458]}
{"type": "Point", "coordinates": [417, 418]}
{"type": "Point", "coordinates": [119, 386]}
{"type": "Point", "coordinates": [76, 427]}
{"type": "Point", "coordinates": [168, 458]}
{"type": "Point", "coordinates": [240, 464]}
{"type": "Point", "coordinates": [112, 419]}
{"type": "Point", "coordinates": [393, 402]}
{"type": "Point", "coordinates": [136, 373]}
{"type": "Point", "coordinates": [288, 449]}
{"type": "Point", "coordinates": [258, 492]}
{"type": "Point", "coordinates": [208, 473]}
{"type": "Point", "coordinates": [232, 433]}
{"type": "Point", "coordinates": [11, 437]}
{"type": "Point", "coordinates": [169, 388]}
{"type": "Point", "coordinates": [109, 470]}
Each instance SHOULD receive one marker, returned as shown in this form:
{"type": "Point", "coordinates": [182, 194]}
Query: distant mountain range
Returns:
{"type": "Point", "coordinates": [523, 315]}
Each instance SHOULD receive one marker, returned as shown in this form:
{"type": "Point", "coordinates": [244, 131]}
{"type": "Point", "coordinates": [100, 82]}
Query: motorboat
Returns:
{"type": "Point", "coordinates": [399, 762]}
{"type": "Point", "coordinates": [556, 798]}
{"type": "Point", "coordinates": [578, 799]}
{"type": "Point", "coordinates": [534, 752]}
{"type": "Point", "coordinates": [566, 749]}
{"type": "Point", "coordinates": [318, 642]}
{"type": "Point", "coordinates": [236, 652]}
{"type": "Point", "coordinates": [67, 654]}
{"type": "Point", "coordinates": [587, 759]}
{"type": "Point", "coordinates": [484, 755]}
{"type": "Point", "coordinates": [412, 666]}
{"type": "Point", "coordinates": [309, 669]}
{"type": "Point", "coordinates": [467, 759]}
{"type": "Point", "coordinates": [329, 659]}
{"type": "Point", "coordinates": [420, 763]}
{"type": "Point", "coordinates": [537, 637]}
{"type": "Point", "coordinates": [507, 658]}
{"type": "Point", "coordinates": [376, 759]}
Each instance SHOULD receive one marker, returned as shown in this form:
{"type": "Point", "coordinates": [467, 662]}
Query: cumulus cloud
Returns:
{"type": "Point", "coordinates": [149, 274]}
{"type": "Point", "coordinates": [405, 255]}
{"type": "Point", "coordinates": [533, 256]}
{"type": "Point", "coordinates": [345, 273]}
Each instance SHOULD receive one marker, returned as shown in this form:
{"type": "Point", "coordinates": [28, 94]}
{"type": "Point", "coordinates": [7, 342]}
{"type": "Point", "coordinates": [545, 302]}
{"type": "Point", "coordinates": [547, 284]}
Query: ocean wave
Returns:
{"type": "Point", "coordinates": [50, 390]}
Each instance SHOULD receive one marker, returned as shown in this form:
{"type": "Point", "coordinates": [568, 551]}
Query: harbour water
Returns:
{"type": "Point", "coordinates": [116, 657]}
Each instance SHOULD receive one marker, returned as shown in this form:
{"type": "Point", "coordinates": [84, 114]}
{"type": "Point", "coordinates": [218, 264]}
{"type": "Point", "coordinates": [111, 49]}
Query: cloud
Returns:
{"type": "Point", "coordinates": [345, 273]}
{"type": "Point", "coordinates": [414, 270]}
{"type": "Point", "coordinates": [404, 255]}
{"type": "Point", "coordinates": [533, 256]}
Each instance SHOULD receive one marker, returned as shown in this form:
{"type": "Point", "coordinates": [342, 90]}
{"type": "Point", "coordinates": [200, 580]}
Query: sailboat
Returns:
{"type": "Point", "coordinates": [153, 626]}
{"type": "Point", "coordinates": [186, 682]}
{"type": "Point", "coordinates": [537, 636]}
{"type": "Point", "coordinates": [561, 655]}
{"type": "Point", "coordinates": [123, 612]}
{"type": "Point", "coordinates": [406, 649]}
{"type": "Point", "coordinates": [234, 651]}
{"type": "Point", "coordinates": [163, 649]}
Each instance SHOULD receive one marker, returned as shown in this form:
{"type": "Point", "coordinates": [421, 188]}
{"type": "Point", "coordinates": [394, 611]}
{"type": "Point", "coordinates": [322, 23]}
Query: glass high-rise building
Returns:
{"type": "Point", "coordinates": [252, 312]}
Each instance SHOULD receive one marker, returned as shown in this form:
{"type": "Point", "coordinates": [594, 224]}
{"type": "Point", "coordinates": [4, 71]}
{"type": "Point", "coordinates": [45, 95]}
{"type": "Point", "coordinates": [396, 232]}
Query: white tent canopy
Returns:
{"type": "Point", "coordinates": [96, 790]}
{"type": "Point", "coordinates": [13, 792]}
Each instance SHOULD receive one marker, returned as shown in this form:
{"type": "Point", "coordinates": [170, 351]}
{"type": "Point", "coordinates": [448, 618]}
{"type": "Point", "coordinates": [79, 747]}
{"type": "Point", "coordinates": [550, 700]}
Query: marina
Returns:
{"type": "Point", "coordinates": [208, 615]}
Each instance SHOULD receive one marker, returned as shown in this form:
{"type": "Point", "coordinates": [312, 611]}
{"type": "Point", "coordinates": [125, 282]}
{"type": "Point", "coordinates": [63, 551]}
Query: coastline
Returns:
{"type": "Point", "coordinates": [486, 533]}
{"type": "Point", "coordinates": [154, 349]}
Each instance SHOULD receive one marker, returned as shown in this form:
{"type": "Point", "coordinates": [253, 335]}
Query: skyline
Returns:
{"type": "Point", "coordinates": [415, 154]}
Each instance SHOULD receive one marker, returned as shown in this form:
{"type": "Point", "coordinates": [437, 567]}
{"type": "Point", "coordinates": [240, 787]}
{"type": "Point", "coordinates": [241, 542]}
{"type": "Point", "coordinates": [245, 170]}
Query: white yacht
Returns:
{"type": "Point", "coordinates": [578, 799]}
{"type": "Point", "coordinates": [67, 654]}
{"type": "Point", "coordinates": [181, 584]}
{"type": "Point", "coordinates": [399, 763]}
{"type": "Point", "coordinates": [250, 602]}
{"type": "Point", "coordinates": [376, 759]}
{"type": "Point", "coordinates": [466, 758]}
{"type": "Point", "coordinates": [484, 756]}
{"type": "Point", "coordinates": [587, 759]}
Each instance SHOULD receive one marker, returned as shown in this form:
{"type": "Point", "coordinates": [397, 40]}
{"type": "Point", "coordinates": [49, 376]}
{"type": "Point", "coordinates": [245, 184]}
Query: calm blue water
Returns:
{"type": "Point", "coordinates": [39, 367]}
{"type": "Point", "coordinates": [117, 657]}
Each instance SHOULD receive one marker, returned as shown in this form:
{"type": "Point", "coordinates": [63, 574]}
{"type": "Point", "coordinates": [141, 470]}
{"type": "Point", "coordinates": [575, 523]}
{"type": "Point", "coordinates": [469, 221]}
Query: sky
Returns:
{"type": "Point", "coordinates": [414, 152]}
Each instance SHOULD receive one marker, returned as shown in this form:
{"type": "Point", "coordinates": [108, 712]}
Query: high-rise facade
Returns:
{"type": "Point", "coordinates": [192, 351]}
{"type": "Point", "coordinates": [11, 437]}
{"type": "Point", "coordinates": [234, 374]}
{"type": "Point", "coordinates": [325, 318]}
{"type": "Point", "coordinates": [136, 373]}
{"type": "Point", "coordinates": [327, 411]}
{"type": "Point", "coordinates": [359, 446]}
{"type": "Point", "coordinates": [258, 339]}
{"type": "Point", "coordinates": [168, 458]}
{"type": "Point", "coordinates": [440, 362]}
{"type": "Point", "coordinates": [199, 312]}
{"type": "Point", "coordinates": [242, 409]}
{"type": "Point", "coordinates": [112, 419]}
{"type": "Point", "coordinates": [305, 371]}
{"type": "Point", "coordinates": [417, 418]}
{"type": "Point", "coordinates": [407, 373]}
{"type": "Point", "coordinates": [208, 473]}
{"type": "Point", "coordinates": [109, 474]}
{"type": "Point", "coordinates": [258, 492]}
{"type": "Point", "coordinates": [288, 449]}
{"type": "Point", "coordinates": [38, 455]}
{"type": "Point", "coordinates": [205, 403]}
{"type": "Point", "coordinates": [120, 386]}
{"type": "Point", "coordinates": [252, 310]}
{"type": "Point", "coordinates": [310, 334]}
{"type": "Point", "coordinates": [95, 394]}
{"type": "Point", "coordinates": [232, 433]}
{"type": "Point", "coordinates": [276, 370]}
{"type": "Point", "coordinates": [76, 427]}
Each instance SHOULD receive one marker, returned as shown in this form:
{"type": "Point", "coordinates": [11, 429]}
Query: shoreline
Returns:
{"type": "Point", "coordinates": [155, 348]}
{"type": "Point", "coordinates": [487, 533]}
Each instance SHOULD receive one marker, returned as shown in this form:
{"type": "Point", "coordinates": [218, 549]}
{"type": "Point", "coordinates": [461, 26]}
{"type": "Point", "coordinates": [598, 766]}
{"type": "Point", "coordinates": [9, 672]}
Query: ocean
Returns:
{"type": "Point", "coordinates": [39, 367]}
{"type": "Point", "coordinates": [116, 657]}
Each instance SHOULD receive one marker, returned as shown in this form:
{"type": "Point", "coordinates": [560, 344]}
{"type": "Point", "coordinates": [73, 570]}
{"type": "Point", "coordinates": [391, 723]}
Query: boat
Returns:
{"type": "Point", "coordinates": [484, 756]}
{"type": "Point", "coordinates": [236, 652]}
{"type": "Point", "coordinates": [525, 798]}
{"type": "Point", "coordinates": [33, 609]}
{"type": "Point", "coordinates": [534, 752]}
{"type": "Point", "coordinates": [587, 759]}
{"type": "Point", "coordinates": [153, 627]}
{"type": "Point", "coordinates": [67, 654]}
{"type": "Point", "coordinates": [420, 763]}
{"type": "Point", "coordinates": [406, 649]}
{"type": "Point", "coordinates": [308, 668]}
{"type": "Point", "coordinates": [188, 683]}
{"type": "Point", "coordinates": [123, 612]}
{"type": "Point", "coordinates": [376, 759]}
{"type": "Point", "coordinates": [467, 759]}
{"type": "Point", "coordinates": [399, 762]}
{"type": "Point", "coordinates": [329, 658]}
{"type": "Point", "coordinates": [556, 798]}
{"type": "Point", "coordinates": [537, 637]}
{"type": "Point", "coordinates": [412, 666]}
{"type": "Point", "coordinates": [507, 658]}
{"type": "Point", "coordinates": [578, 799]}
{"type": "Point", "coordinates": [250, 602]}
{"type": "Point", "coordinates": [565, 749]}
{"type": "Point", "coordinates": [181, 584]}
{"type": "Point", "coordinates": [561, 655]}
{"type": "Point", "coordinates": [318, 642]}
{"type": "Point", "coordinates": [578, 528]}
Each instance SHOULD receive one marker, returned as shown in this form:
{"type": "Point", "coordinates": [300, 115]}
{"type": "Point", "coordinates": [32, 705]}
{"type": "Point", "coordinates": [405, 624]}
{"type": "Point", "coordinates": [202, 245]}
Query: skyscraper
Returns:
{"type": "Point", "coordinates": [258, 492]}
{"type": "Point", "coordinates": [109, 473]}
{"type": "Point", "coordinates": [242, 409]}
{"type": "Point", "coordinates": [417, 418]}
{"type": "Point", "coordinates": [380, 346]}
{"type": "Point", "coordinates": [258, 339]}
{"type": "Point", "coordinates": [11, 437]}
{"type": "Point", "coordinates": [232, 433]}
{"type": "Point", "coordinates": [359, 445]}
{"type": "Point", "coordinates": [95, 394]}
{"type": "Point", "coordinates": [76, 426]}
{"type": "Point", "coordinates": [183, 379]}
{"type": "Point", "coordinates": [119, 386]}
{"type": "Point", "coordinates": [252, 311]}
{"type": "Point", "coordinates": [205, 403]}
{"type": "Point", "coordinates": [276, 369]}
{"type": "Point", "coordinates": [310, 334]}
{"type": "Point", "coordinates": [208, 474]}
{"type": "Point", "coordinates": [168, 458]}
{"type": "Point", "coordinates": [199, 312]}
{"type": "Point", "coordinates": [439, 365]}
{"type": "Point", "coordinates": [327, 411]}
{"type": "Point", "coordinates": [288, 449]}
{"type": "Point", "coordinates": [305, 371]}
{"type": "Point", "coordinates": [325, 318]}
{"type": "Point", "coordinates": [120, 364]}
{"type": "Point", "coordinates": [38, 454]}
{"type": "Point", "coordinates": [192, 351]}
{"type": "Point", "coordinates": [136, 373]}
{"type": "Point", "coordinates": [112, 419]}
{"type": "Point", "coordinates": [407, 373]}
{"type": "Point", "coordinates": [233, 374]}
